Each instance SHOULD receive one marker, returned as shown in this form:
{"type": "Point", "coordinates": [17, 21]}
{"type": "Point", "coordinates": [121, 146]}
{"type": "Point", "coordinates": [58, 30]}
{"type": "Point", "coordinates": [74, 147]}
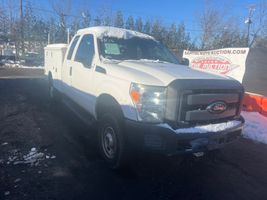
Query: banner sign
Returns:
{"type": "Point", "coordinates": [228, 61]}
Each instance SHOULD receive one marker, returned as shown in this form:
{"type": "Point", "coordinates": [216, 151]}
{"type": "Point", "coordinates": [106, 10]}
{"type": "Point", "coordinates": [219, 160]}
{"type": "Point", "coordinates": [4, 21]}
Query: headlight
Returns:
{"type": "Point", "coordinates": [149, 101]}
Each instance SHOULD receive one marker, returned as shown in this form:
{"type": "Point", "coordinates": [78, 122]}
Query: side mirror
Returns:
{"type": "Point", "coordinates": [185, 61]}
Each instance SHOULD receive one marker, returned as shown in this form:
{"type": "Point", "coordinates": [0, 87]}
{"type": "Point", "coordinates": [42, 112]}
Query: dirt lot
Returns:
{"type": "Point", "coordinates": [47, 153]}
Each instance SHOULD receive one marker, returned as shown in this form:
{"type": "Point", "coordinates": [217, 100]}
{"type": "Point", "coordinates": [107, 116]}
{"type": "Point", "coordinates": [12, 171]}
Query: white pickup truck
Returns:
{"type": "Point", "coordinates": [140, 96]}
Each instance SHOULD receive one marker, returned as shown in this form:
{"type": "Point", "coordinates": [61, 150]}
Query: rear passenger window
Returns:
{"type": "Point", "coordinates": [85, 51]}
{"type": "Point", "coordinates": [72, 46]}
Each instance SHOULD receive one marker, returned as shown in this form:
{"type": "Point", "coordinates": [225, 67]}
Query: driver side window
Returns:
{"type": "Point", "coordinates": [85, 51]}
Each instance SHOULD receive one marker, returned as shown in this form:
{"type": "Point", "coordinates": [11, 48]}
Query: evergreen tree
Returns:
{"type": "Point", "coordinates": [171, 37]}
{"type": "Point", "coordinates": [182, 37]}
{"type": "Point", "coordinates": [97, 21]}
{"type": "Point", "coordinates": [118, 22]}
{"type": "Point", "coordinates": [156, 30]}
{"type": "Point", "coordinates": [107, 21]}
{"type": "Point", "coordinates": [130, 23]}
{"type": "Point", "coordinates": [147, 27]}
{"type": "Point", "coordinates": [139, 24]}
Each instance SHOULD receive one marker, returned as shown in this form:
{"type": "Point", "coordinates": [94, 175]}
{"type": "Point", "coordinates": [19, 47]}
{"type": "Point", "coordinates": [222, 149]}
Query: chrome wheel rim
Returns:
{"type": "Point", "coordinates": [109, 143]}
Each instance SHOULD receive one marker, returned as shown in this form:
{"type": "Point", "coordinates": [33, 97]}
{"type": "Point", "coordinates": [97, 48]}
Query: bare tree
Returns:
{"type": "Point", "coordinates": [258, 24]}
{"type": "Point", "coordinates": [219, 28]}
{"type": "Point", "coordinates": [210, 24]}
{"type": "Point", "coordinates": [3, 22]}
{"type": "Point", "coordinates": [63, 9]}
{"type": "Point", "coordinates": [13, 29]}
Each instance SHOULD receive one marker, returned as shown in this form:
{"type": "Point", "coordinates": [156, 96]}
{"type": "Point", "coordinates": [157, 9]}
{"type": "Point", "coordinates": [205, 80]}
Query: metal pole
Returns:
{"type": "Point", "coordinates": [21, 9]}
{"type": "Point", "coordinates": [48, 38]}
{"type": "Point", "coordinates": [68, 31]}
{"type": "Point", "coordinates": [249, 22]}
{"type": "Point", "coordinates": [248, 33]}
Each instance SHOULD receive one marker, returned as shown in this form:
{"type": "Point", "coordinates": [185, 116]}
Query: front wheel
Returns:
{"type": "Point", "coordinates": [112, 141]}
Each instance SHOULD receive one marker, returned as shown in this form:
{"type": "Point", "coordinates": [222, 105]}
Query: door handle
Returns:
{"type": "Point", "coordinates": [70, 73]}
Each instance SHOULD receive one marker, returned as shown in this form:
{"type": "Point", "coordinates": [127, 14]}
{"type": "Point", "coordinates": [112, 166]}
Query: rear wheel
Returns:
{"type": "Point", "coordinates": [112, 140]}
{"type": "Point", "coordinates": [51, 90]}
{"type": "Point", "coordinates": [53, 93]}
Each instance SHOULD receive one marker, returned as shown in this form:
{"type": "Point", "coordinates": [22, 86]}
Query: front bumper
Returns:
{"type": "Point", "coordinates": [163, 139]}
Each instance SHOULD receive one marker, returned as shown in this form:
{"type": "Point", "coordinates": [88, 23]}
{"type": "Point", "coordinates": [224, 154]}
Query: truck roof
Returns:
{"type": "Point", "coordinates": [109, 31]}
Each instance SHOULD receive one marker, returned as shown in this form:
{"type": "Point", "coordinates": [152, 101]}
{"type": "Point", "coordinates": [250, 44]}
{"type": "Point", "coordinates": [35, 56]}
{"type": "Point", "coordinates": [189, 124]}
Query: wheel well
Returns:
{"type": "Point", "coordinates": [106, 102]}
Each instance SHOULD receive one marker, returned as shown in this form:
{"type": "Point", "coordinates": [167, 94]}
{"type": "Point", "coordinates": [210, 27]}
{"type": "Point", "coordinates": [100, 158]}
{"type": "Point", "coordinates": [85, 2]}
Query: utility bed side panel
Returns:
{"type": "Point", "coordinates": [54, 58]}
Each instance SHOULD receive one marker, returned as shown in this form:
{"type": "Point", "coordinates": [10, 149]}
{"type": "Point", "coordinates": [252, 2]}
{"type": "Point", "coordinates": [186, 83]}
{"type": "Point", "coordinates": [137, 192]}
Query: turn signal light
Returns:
{"type": "Point", "coordinates": [135, 96]}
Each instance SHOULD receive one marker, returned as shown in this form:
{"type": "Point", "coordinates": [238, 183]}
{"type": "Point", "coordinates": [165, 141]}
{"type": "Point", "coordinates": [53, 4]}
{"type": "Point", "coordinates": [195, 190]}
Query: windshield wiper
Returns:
{"type": "Point", "coordinates": [146, 60]}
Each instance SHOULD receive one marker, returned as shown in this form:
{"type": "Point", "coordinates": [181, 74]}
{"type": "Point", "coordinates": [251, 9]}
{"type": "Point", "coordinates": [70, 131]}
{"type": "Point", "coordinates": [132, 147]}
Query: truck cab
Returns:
{"type": "Point", "coordinates": [140, 95]}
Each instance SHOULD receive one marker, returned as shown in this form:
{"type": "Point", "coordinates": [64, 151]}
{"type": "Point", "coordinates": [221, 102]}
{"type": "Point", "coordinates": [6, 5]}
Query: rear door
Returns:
{"type": "Point", "coordinates": [67, 67]}
{"type": "Point", "coordinates": [82, 71]}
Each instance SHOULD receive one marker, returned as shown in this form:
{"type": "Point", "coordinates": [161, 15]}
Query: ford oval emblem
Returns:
{"type": "Point", "coordinates": [217, 107]}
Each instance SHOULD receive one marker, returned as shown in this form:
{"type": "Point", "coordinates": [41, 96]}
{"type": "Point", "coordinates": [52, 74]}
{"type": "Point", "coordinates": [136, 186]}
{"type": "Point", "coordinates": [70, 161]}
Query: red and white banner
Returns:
{"type": "Point", "coordinates": [229, 61]}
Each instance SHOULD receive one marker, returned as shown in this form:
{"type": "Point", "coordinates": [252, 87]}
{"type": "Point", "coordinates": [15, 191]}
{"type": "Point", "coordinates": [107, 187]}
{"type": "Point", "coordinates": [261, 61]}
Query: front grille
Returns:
{"type": "Point", "coordinates": [193, 105]}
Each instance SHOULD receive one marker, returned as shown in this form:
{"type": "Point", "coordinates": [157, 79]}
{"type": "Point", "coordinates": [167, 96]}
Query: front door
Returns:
{"type": "Point", "coordinates": [82, 71]}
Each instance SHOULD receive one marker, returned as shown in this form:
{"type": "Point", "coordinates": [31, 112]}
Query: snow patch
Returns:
{"type": "Point", "coordinates": [17, 180]}
{"type": "Point", "coordinates": [205, 128]}
{"type": "Point", "coordinates": [17, 64]}
{"type": "Point", "coordinates": [255, 126]}
{"type": "Point", "coordinates": [34, 157]}
{"type": "Point", "coordinates": [30, 67]}
{"type": "Point", "coordinates": [7, 193]}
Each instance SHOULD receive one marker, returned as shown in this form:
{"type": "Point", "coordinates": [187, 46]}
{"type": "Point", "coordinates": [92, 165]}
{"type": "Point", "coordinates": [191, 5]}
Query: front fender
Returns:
{"type": "Point", "coordinates": [119, 90]}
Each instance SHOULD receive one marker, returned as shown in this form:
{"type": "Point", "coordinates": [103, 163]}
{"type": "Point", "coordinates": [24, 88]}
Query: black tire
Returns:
{"type": "Point", "coordinates": [112, 141]}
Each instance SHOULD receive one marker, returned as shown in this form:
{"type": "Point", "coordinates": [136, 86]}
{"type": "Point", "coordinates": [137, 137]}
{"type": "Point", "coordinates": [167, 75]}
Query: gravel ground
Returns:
{"type": "Point", "coordinates": [47, 153]}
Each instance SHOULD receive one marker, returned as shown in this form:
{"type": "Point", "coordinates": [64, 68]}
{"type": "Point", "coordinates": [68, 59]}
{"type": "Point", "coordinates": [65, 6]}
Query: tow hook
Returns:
{"type": "Point", "coordinates": [198, 154]}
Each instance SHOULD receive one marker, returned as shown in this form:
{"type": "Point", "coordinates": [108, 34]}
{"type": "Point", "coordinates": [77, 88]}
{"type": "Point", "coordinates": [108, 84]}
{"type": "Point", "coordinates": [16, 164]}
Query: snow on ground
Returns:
{"type": "Point", "coordinates": [16, 64]}
{"type": "Point", "coordinates": [255, 126]}
{"type": "Point", "coordinates": [33, 157]}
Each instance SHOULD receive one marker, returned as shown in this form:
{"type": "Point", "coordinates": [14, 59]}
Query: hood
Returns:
{"type": "Point", "coordinates": [156, 73]}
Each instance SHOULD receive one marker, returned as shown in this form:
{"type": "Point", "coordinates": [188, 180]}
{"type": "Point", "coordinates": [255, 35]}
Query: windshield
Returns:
{"type": "Point", "coordinates": [135, 49]}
